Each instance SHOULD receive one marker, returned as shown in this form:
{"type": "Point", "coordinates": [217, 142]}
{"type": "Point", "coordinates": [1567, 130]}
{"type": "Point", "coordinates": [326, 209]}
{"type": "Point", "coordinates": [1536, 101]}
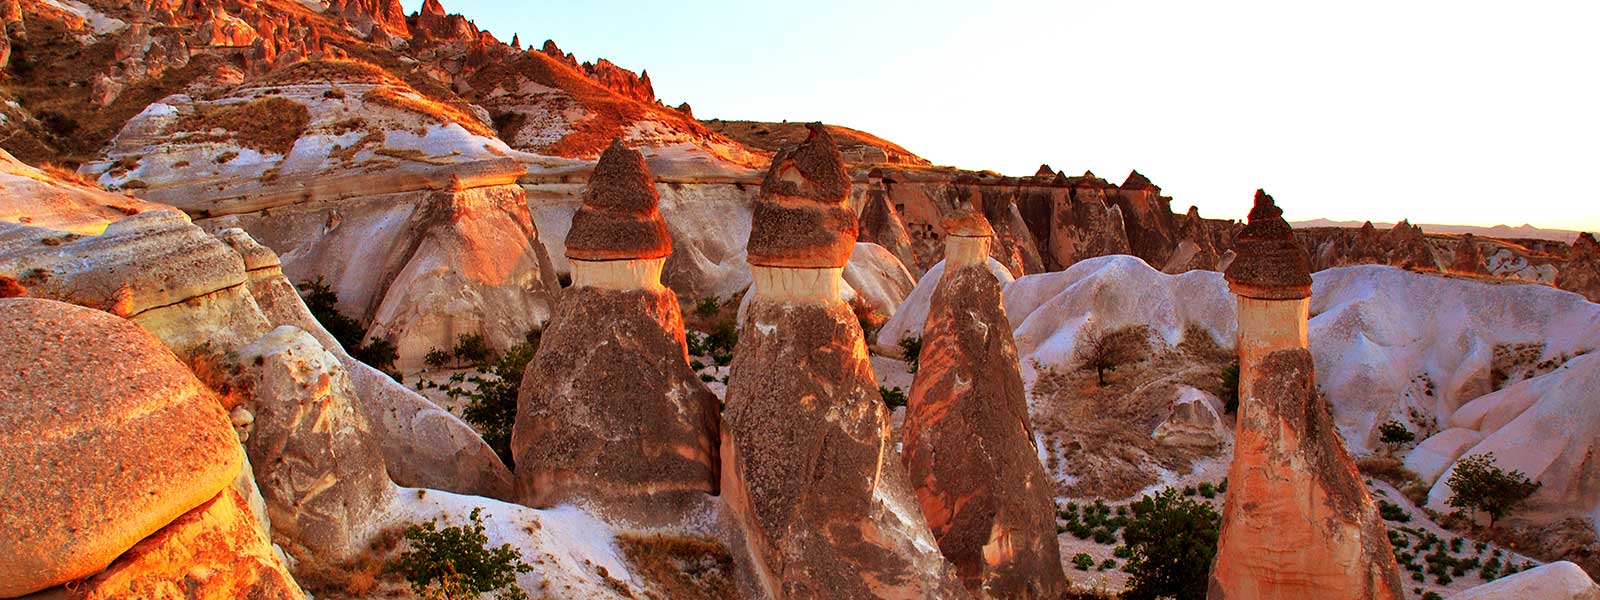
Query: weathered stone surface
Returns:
{"type": "Point", "coordinates": [609, 409]}
{"type": "Point", "coordinates": [1298, 523]}
{"type": "Point", "coordinates": [316, 460]}
{"type": "Point", "coordinates": [808, 469]}
{"type": "Point", "coordinates": [968, 446]}
{"type": "Point", "coordinates": [1468, 260]}
{"type": "Point", "coordinates": [30, 196]}
{"type": "Point", "coordinates": [154, 268]}
{"type": "Point", "coordinates": [423, 445]}
{"type": "Point", "coordinates": [800, 220]}
{"type": "Point", "coordinates": [1270, 265]}
{"type": "Point", "coordinates": [212, 552]}
{"type": "Point", "coordinates": [619, 219]}
{"type": "Point", "coordinates": [104, 438]}
{"type": "Point", "coordinates": [1559, 580]}
{"type": "Point", "coordinates": [880, 224]}
{"type": "Point", "coordinates": [1581, 273]}
{"type": "Point", "coordinates": [477, 267]}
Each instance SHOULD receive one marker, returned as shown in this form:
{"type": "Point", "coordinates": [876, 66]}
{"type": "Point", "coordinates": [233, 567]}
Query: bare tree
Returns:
{"type": "Point", "coordinates": [1102, 351]}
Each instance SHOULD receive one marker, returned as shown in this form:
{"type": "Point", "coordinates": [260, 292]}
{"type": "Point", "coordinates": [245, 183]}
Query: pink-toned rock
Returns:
{"type": "Point", "coordinates": [967, 443]}
{"type": "Point", "coordinates": [609, 410]}
{"type": "Point", "coordinates": [1581, 273]}
{"type": "Point", "coordinates": [808, 469]}
{"type": "Point", "coordinates": [1467, 259]}
{"type": "Point", "coordinates": [1298, 523]}
{"type": "Point", "coordinates": [105, 438]}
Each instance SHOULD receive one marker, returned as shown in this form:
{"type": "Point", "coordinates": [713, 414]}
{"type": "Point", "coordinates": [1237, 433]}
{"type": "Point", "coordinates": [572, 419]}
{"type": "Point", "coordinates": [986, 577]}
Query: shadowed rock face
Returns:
{"type": "Point", "coordinates": [1467, 258]}
{"type": "Point", "coordinates": [1298, 522]}
{"type": "Point", "coordinates": [969, 448]}
{"type": "Point", "coordinates": [1581, 274]}
{"type": "Point", "coordinates": [809, 470]}
{"type": "Point", "coordinates": [610, 410]}
{"type": "Point", "coordinates": [881, 225]}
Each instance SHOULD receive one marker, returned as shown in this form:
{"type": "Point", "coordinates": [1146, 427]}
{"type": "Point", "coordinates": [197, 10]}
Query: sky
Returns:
{"type": "Point", "coordinates": [1463, 112]}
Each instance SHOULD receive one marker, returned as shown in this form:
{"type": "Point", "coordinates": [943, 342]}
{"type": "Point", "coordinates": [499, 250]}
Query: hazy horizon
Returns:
{"type": "Point", "coordinates": [1431, 112]}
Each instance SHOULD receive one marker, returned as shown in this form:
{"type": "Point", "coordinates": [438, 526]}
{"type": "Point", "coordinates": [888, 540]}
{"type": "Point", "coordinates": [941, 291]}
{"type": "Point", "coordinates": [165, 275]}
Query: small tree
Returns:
{"type": "Point", "coordinates": [456, 563]}
{"type": "Point", "coordinates": [1477, 484]}
{"type": "Point", "coordinates": [492, 407]}
{"type": "Point", "coordinates": [1172, 540]}
{"type": "Point", "coordinates": [323, 302]}
{"type": "Point", "coordinates": [912, 346]}
{"type": "Point", "coordinates": [1100, 351]}
{"type": "Point", "coordinates": [1394, 434]}
{"type": "Point", "coordinates": [707, 308]}
{"type": "Point", "coordinates": [472, 349]}
{"type": "Point", "coordinates": [1230, 388]}
{"type": "Point", "coordinates": [892, 396]}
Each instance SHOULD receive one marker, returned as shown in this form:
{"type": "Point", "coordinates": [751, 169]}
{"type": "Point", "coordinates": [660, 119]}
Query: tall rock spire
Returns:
{"type": "Point", "coordinates": [968, 446]}
{"type": "Point", "coordinates": [1298, 523]}
{"type": "Point", "coordinates": [610, 411]}
{"type": "Point", "coordinates": [809, 471]}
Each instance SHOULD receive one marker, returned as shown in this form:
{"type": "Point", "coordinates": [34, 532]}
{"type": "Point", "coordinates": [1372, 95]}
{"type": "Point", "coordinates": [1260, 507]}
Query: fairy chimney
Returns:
{"type": "Point", "coordinates": [610, 411]}
{"type": "Point", "coordinates": [808, 469]}
{"type": "Point", "coordinates": [976, 472]}
{"type": "Point", "coordinates": [1298, 523]}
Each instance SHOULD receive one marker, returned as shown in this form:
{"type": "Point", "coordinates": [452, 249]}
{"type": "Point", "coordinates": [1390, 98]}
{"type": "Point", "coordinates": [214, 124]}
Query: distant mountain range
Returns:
{"type": "Point", "coordinates": [1500, 231]}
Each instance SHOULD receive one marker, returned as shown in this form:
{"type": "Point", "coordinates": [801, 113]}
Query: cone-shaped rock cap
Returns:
{"type": "Point", "coordinates": [1270, 265]}
{"type": "Point", "coordinates": [620, 218]}
{"type": "Point", "coordinates": [800, 219]}
{"type": "Point", "coordinates": [1137, 181]}
{"type": "Point", "coordinates": [1044, 171]}
{"type": "Point", "coordinates": [967, 222]}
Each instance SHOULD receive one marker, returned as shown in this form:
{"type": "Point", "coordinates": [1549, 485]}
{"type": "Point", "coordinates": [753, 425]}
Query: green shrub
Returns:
{"type": "Point", "coordinates": [1108, 564]}
{"type": "Point", "coordinates": [913, 348]}
{"type": "Point", "coordinates": [1394, 434]}
{"type": "Point", "coordinates": [456, 563]}
{"type": "Point", "coordinates": [1082, 561]}
{"type": "Point", "coordinates": [492, 405]}
{"type": "Point", "coordinates": [323, 302]}
{"type": "Point", "coordinates": [707, 308]}
{"type": "Point", "coordinates": [472, 349]}
{"type": "Point", "coordinates": [1477, 484]}
{"type": "Point", "coordinates": [892, 396]}
{"type": "Point", "coordinates": [1173, 540]}
{"type": "Point", "coordinates": [1392, 512]}
{"type": "Point", "coordinates": [436, 358]}
{"type": "Point", "coordinates": [1432, 596]}
{"type": "Point", "coordinates": [1207, 490]}
{"type": "Point", "coordinates": [1230, 388]}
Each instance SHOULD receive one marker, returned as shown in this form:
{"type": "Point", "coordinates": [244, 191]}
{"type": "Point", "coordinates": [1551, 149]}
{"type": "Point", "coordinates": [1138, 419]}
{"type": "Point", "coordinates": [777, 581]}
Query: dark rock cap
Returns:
{"type": "Point", "coordinates": [619, 218]}
{"type": "Point", "coordinates": [1136, 181]}
{"type": "Point", "coordinates": [1044, 171]}
{"type": "Point", "coordinates": [1270, 264]}
{"type": "Point", "coordinates": [800, 219]}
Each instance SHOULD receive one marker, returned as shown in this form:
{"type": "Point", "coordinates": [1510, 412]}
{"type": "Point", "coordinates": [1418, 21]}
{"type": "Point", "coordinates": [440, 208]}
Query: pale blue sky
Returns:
{"type": "Point", "coordinates": [1444, 112]}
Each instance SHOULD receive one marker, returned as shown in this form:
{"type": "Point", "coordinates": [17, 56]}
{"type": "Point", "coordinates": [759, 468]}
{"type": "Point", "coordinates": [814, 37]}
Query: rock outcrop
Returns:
{"type": "Point", "coordinates": [1298, 522]}
{"type": "Point", "coordinates": [967, 443]}
{"type": "Point", "coordinates": [1468, 260]}
{"type": "Point", "coordinates": [808, 469]}
{"type": "Point", "coordinates": [1560, 580]}
{"type": "Point", "coordinates": [609, 411]}
{"type": "Point", "coordinates": [105, 439]}
{"type": "Point", "coordinates": [315, 458]}
{"type": "Point", "coordinates": [1581, 273]}
{"type": "Point", "coordinates": [880, 224]}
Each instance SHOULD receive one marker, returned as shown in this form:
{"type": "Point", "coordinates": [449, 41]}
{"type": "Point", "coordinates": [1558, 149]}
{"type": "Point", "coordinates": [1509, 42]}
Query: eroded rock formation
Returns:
{"type": "Point", "coordinates": [1298, 522]}
{"type": "Point", "coordinates": [610, 411]}
{"type": "Point", "coordinates": [1581, 273]}
{"type": "Point", "coordinates": [106, 439]}
{"type": "Point", "coordinates": [967, 442]}
{"type": "Point", "coordinates": [808, 469]}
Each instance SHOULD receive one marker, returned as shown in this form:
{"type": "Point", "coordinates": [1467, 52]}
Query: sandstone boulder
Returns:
{"type": "Point", "coordinates": [105, 438]}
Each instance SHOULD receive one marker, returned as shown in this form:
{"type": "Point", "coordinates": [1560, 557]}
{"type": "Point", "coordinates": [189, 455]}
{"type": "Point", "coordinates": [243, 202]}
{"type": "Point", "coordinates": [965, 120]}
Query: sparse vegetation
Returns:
{"type": "Point", "coordinates": [682, 567]}
{"type": "Point", "coordinates": [1230, 388]}
{"type": "Point", "coordinates": [1395, 434]}
{"type": "Point", "coordinates": [491, 392]}
{"type": "Point", "coordinates": [893, 397]}
{"type": "Point", "coordinates": [707, 308]}
{"type": "Point", "coordinates": [1478, 484]}
{"type": "Point", "coordinates": [1172, 540]}
{"type": "Point", "coordinates": [912, 345]}
{"type": "Point", "coordinates": [456, 562]}
{"type": "Point", "coordinates": [323, 304]}
{"type": "Point", "coordinates": [1082, 561]}
{"type": "Point", "coordinates": [270, 124]}
{"type": "Point", "coordinates": [472, 349]}
{"type": "Point", "coordinates": [1102, 351]}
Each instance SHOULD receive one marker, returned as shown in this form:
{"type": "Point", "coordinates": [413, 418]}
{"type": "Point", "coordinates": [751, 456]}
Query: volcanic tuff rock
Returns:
{"type": "Point", "coordinates": [800, 220]}
{"type": "Point", "coordinates": [967, 442]}
{"type": "Point", "coordinates": [30, 196]}
{"type": "Point", "coordinates": [1581, 273]}
{"type": "Point", "coordinates": [1559, 580]}
{"type": "Point", "coordinates": [316, 460]}
{"type": "Point", "coordinates": [880, 224]}
{"type": "Point", "coordinates": [1468, 260]}
{"type": "Point", "coordinates": [808, 469]}
{"type": "Point", "coordinates": [105, 438]}
{"type": "Point", "coordinates": [609, 409]}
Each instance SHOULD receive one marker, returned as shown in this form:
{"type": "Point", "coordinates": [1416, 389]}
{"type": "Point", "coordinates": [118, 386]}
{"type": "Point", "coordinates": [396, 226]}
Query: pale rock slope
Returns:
{"type": "Point", "coordinates": [913, 311]}
{"type": "Point", "coordinates": [1559, 580]}
{"type": "Point", "coordinates": [32, 196]}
